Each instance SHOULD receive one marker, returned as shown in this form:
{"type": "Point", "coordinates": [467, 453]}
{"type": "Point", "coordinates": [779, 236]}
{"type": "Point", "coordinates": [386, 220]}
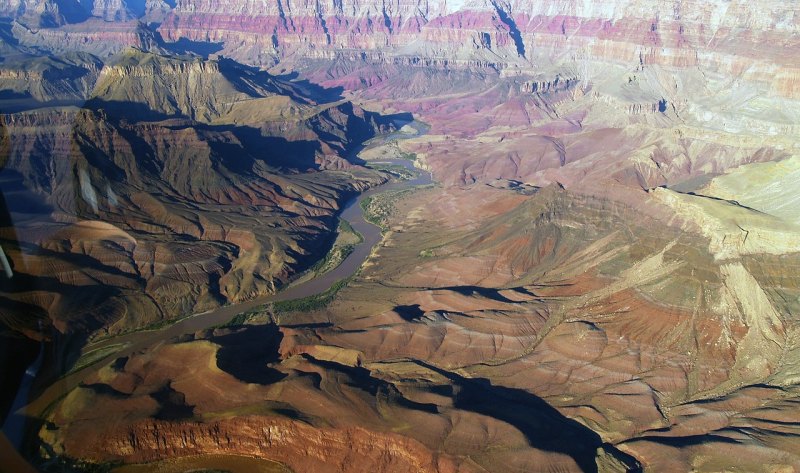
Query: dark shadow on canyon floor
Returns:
{"type": "Point", "coordinates": [247, 353]}
{"type": "Point", "coordinates": [544, 426]}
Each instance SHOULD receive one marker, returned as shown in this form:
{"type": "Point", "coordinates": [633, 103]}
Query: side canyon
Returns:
{"type": "Point", "coordinates": [603, 275]}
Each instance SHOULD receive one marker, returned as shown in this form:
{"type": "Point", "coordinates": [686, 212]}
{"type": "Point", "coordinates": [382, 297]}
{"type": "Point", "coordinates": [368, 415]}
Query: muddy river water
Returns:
{"type": "Point", "coordinates": [129, 343]}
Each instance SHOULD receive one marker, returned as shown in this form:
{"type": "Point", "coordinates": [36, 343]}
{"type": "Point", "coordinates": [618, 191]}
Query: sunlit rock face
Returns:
{"type": "Point", "coordinates": [122, 197]}
{"type": "Point", "coordinates": [41, 13]}
{"type": "Point", "coordinates": [603, 278]}
{"type": "Point", "coordinates": [729, 36]}
{"type": "Point", "coordinates": [112, 10]}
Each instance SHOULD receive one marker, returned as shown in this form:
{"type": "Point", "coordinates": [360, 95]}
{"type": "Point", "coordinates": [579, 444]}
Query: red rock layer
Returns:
{"type": "Point", "coordinates": [684, 34]}
{"type": "Point", "coordinates": [296, 444]}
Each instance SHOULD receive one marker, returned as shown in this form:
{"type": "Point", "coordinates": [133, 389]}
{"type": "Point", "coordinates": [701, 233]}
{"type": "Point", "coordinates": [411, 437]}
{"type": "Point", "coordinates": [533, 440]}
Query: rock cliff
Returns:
{"type": "Point", "coordinates": [604, 277]}
{"type": "Point", "coordinates": [181, 184]}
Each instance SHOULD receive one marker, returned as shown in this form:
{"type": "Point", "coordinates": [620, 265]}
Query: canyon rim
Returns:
{"type": "Point", "coordinates": [394, 236]}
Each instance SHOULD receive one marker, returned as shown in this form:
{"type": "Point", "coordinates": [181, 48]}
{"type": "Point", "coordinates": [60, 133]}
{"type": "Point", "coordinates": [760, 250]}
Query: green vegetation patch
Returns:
{"type": "Point", "coordinates": [396, 170]}
{"type": "Point", "coordinates": [93, 356]}
{"type": "Point", "coordinates": [407, 156]}
{"type": "Point", "coordinates": [345, 227]}
{"type": "Point", "coordinates": [345, 244]}
{"type": "Point", "coordinates": [427, 253]}
{"type": "Point", "coordinates": [378, 208]}
{"type": "Point", "coordinates": [303, 304]}
{"type": "Point", "coordinates": [333, 259]}
{"type": "Point", "coordinates": [240, 319]}
{"type": "Point", "coordinates": [311, 303]}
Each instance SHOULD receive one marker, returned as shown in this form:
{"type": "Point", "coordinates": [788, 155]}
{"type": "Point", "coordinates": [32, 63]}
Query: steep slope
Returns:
{"type": "Point", "coordinates": [684, 34]}
{"type": "Point", "coordinates": [29, 81]}
{"type": "Point", "coordinates": [34, 13]}
{"type": "Point", "coordinates": [93, 35]}
{"type": "Point", "coordinates": [131, 205]}
{"type": "Point", "coordinates": [193, 88]}
{"type": "Point", "coordinates": [604, 279]}
{"type": "Point", "coordinates": [480, 310]}
{"type": "Point", "coordinates": [622, 321]}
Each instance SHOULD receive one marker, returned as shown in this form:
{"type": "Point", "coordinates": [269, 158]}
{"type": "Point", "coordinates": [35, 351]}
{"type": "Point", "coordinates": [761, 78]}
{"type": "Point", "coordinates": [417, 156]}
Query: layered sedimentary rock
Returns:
{"type": "Point", "coordinates": [52, 13]}
{"type": "Point", "coordinates": [36, 13]}
{"type": "Point", "coordinates": [94, 35]}
{"type": "Point", "coordinates": [469, 323]}
{"type": "Point", "coordinates": [112, 10]}
{"type": "Point", "coordinates": [603, 279]}
{"type": "Point", "coordinates": [632, 325]}
{"type": "Point", "coordinates": [510, 34]}
{"type": "Point", "coordinates": [346, 417]}
{"type": "Point", "coordinates": [28, 80]}
{"type": "Point", "coordinates": [163, 195]}
{"type": "Point", "coordinates": [318, 26]}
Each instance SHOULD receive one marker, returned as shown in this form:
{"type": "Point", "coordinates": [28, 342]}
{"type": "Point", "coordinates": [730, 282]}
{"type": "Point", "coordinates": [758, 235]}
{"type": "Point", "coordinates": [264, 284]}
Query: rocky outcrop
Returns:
{"type": "Point", "coordinates": [34, 13]}
{"type": "Point", "coordinates": [575, 288]}
{"type": "Point", "coordinates": [53, 13]}
{"type": "Point", "coordinates": [94, 35]}
{"type": "Point", "coordinates": [201, 170]}
{"type": "Point", "coordinates": [112, 10]}
{"type": "Point", "coordinates": [635, 330]}
{"type": "Point", "coordinates": [513, 36]}
{"type": "Point", "coordinates": [50, 80]}
{"type": "Point", "coordinates": [517, 34]}
{"type": "Point", "coordinates": [326, 450]}
{"type": "Point", "coordinates": [632, 32]}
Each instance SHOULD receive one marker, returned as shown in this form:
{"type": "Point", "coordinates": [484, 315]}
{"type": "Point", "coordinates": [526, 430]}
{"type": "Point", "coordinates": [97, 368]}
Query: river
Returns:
{"type": "Point", "coordinates": [352, 212]}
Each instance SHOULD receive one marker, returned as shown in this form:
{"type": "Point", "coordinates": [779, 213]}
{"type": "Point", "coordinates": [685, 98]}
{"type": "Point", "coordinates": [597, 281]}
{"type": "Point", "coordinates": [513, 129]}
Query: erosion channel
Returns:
{"type": "Point", "coordinates": [352, 212]}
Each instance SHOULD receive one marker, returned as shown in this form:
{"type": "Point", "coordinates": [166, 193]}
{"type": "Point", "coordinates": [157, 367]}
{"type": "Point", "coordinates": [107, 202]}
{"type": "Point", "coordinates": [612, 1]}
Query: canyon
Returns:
{"type": "Point", "coordinates": [603, 276]}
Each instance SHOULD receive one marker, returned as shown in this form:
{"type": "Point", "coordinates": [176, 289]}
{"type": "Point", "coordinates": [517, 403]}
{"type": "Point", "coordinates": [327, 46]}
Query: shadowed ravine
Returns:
{"type": "Point", "coordinates": [605, 276]}
{"type": "Point", "coordinates": [543, 426]}
{"type": "Point", "coordinates": [136, 341]}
